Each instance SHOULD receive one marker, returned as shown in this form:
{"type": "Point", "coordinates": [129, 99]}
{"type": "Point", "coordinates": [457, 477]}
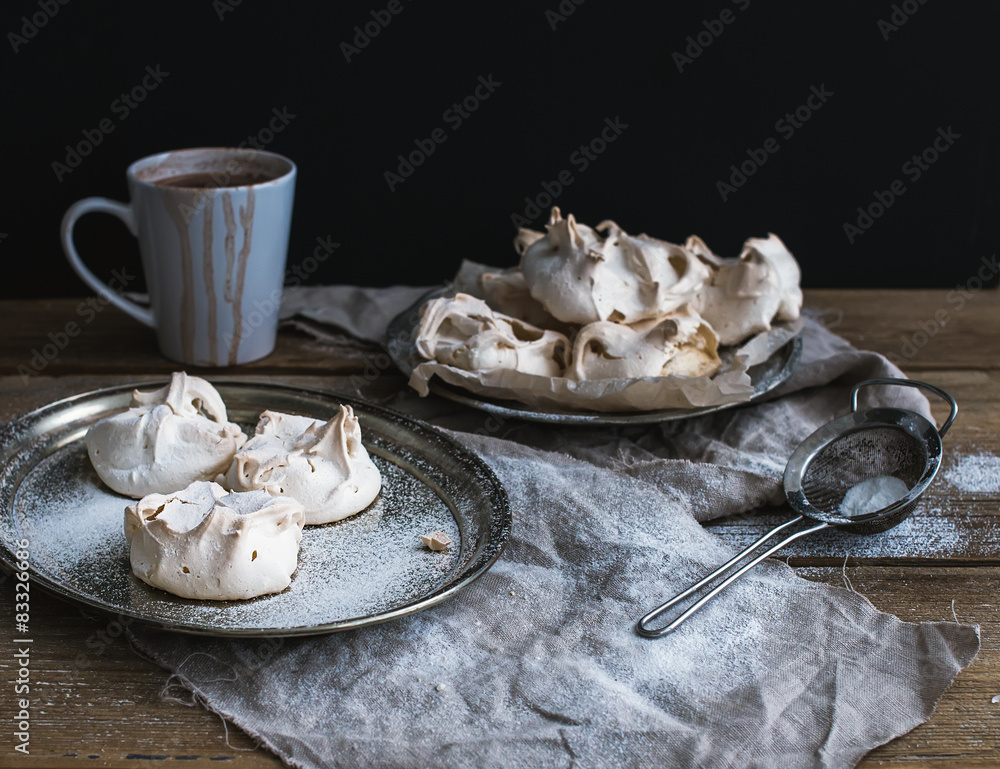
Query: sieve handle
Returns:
{"type": "Point", "coordinates": [643, 626]}
{"type": "Point", "coordinates": [910, 383]}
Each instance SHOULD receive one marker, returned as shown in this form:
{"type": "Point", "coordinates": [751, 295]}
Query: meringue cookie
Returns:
{"type": "Point", "coordinates": [679, 344]}
{"type": "Point", "coordinates": [322, 465]}
{"type": "Point", "coordinates": [696, 246]}
{"type": "Point", "coordinates": [206, 543]}
{"type": "Point", "coordinates": [580, 276]}
{"type": "Point", "coordinates": [787, 269]}
{"type": "Point", "coordinates": [525, 238]}
{"type": "Point", "coordinates": [507, 292]}
{"type": "Point", "coordinates": [436, 541]}
{"type": "Point", "coordinates": [167, 439]}
{"type": "Point", "coordinates": [746, 294]}
{"type": "Point", "coordinates": [464, 332]}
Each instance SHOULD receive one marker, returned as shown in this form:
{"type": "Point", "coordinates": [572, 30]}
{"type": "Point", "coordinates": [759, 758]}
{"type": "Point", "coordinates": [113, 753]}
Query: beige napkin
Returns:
{"type": "Point", "coordinates": [537, 664]}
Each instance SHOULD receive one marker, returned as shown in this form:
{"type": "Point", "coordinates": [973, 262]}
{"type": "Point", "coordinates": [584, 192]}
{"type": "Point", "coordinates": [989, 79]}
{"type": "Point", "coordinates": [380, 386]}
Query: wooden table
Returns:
{"type": "Point", "coordinates": [97, 703]}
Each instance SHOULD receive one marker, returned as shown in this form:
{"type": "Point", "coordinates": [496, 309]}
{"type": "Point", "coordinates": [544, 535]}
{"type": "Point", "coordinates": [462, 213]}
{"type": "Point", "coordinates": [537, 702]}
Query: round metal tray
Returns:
{"type": "Point", "coordinates": [764, 376]}
{"type": "Point", "coordinates": [366, 569]}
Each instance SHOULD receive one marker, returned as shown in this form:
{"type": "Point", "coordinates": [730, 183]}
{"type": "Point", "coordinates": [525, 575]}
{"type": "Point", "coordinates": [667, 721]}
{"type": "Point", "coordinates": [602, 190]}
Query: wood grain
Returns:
{"type": "Point", "coordinates": [109, 341]}
{"type": "Point", "coordinates": [928, 329]}
{"type": "Point", "coordinates": [53, 338]}
{"type": "Point", "coordinates": [96, 702]}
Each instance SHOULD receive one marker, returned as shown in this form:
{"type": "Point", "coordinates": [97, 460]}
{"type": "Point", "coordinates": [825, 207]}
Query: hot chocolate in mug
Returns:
{"type": "Point", "coordinates": [213, 229]}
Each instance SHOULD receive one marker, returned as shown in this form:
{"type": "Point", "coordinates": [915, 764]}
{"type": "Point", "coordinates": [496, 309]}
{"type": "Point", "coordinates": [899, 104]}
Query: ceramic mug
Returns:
{"type": "Point", "coordinates": [213, 230]}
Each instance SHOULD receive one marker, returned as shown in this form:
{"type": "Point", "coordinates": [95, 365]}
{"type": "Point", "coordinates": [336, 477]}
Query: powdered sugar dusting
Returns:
{"type": "Point", "coordinates": [246, 502]}
{"type": "Point", "coordinates": [979, 473]}
{"type": "Point", "coordinates": [541, 664]}
{"type": "Point", "coordinates": [936, 532]}
{"type": "Point", "coordinates": [728, 643]}
{"type": "Point", "coordinates": [872, 494]}
{"type": "Point", "coordinates": [364, 565]}
{"type": "Point", "coordinates": [350, 573]}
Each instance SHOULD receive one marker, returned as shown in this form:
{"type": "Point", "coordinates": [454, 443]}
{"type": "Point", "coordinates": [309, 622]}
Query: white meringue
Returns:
{"type": "Point", "coordinates": [507, 292]}
{"type": "Point", "coordinates": [525, 238]}
{"type": "Point", "coordinates": [679, 344]}
{"type": "Point", "coordinates": [322, 465]}
{"type": "Point", "coordinates": [464, 332]}
{"type": "Point", "coordinates": [168, 438]}
{"type": "Point", "coordinates": [789, 273]}
{"type": "Point", "coordinates": [580, 276]}
{"type": "Point", "coordinates": [746, 294]}
{"type": "Point", "coordinates": [206, 543]}
{"type": "Point", "coordinates": [696, 246]}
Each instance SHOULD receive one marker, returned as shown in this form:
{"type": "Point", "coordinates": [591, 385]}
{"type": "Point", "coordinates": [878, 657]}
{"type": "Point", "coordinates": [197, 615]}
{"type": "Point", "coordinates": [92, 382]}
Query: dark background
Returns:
{"type": "Point", "coordinates": [230, 66]}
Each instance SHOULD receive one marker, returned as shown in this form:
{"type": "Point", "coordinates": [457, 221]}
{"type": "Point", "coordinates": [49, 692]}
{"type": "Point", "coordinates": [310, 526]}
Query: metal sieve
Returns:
{"type": "Point", "coordinates": [860, 446]}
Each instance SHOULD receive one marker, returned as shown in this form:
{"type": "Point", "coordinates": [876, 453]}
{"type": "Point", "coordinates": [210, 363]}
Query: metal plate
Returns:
{"type": "Point", "coordinates": [764, 376]}
{"type": "Point", "coordinates": [366, 569]}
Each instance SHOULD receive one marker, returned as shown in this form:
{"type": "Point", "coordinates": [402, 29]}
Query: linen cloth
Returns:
{"type": "Point", "coordinates": [537, 664]}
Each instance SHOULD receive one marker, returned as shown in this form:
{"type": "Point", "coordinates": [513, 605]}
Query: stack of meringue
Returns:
{"type": "Point", "coordinates": [192, 536]}
{"type": "Point", "coordinates": [589, 305]}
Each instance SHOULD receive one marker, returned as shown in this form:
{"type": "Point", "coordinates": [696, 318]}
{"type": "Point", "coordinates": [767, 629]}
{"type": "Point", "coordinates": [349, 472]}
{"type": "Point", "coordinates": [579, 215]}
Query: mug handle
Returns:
{"type": "Point", "coordinates": [123, 212]}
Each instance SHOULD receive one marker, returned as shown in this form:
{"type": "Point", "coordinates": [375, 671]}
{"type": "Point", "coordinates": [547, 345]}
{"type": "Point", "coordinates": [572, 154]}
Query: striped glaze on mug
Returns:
{"type": "Point", "coordinates": [213, 228]}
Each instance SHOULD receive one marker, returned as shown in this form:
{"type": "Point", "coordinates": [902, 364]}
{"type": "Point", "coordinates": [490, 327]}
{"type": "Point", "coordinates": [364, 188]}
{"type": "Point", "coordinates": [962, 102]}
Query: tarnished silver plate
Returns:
{"type": "Point", "coordinates": [401, 348]}
{"type": "Point", "coordinates": [369, 568]}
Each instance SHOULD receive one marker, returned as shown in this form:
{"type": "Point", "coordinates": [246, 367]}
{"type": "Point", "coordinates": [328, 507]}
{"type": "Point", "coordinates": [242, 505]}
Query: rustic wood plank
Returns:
{"type": "Point", "coordinates": [109, 341]}
{"type": "Point", "coordinates": [933, 329]}
{"type": "Point", "coordinates": [53, 338]}
{"type": "Point", "coordinates": [92, 695]}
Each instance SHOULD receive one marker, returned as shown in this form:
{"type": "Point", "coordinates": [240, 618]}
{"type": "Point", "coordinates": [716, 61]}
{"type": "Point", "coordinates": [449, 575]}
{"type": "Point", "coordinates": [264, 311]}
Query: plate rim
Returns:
{"type": "Point", "coordinates": [504, 524]}
{"type": "Point", "coordinates": [399, 328]}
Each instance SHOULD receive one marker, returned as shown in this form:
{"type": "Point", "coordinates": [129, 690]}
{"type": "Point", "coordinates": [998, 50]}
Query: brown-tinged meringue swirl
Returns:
{"type": "Point", "coordinates": [464, 332]}
{"type": "Point", "coordinates": [679, 344]}
{"type": "Point", "coordinates": [582, 276]}
{"type": "Point", "coordinates": [747, 294]}
{"type": "Point", "coordinates": [322, 465]}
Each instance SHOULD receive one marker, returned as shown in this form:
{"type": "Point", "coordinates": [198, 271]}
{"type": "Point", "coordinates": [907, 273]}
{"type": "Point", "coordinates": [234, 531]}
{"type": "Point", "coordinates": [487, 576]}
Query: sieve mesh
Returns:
{"type": "Point", "coordinates": [859, 455]}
